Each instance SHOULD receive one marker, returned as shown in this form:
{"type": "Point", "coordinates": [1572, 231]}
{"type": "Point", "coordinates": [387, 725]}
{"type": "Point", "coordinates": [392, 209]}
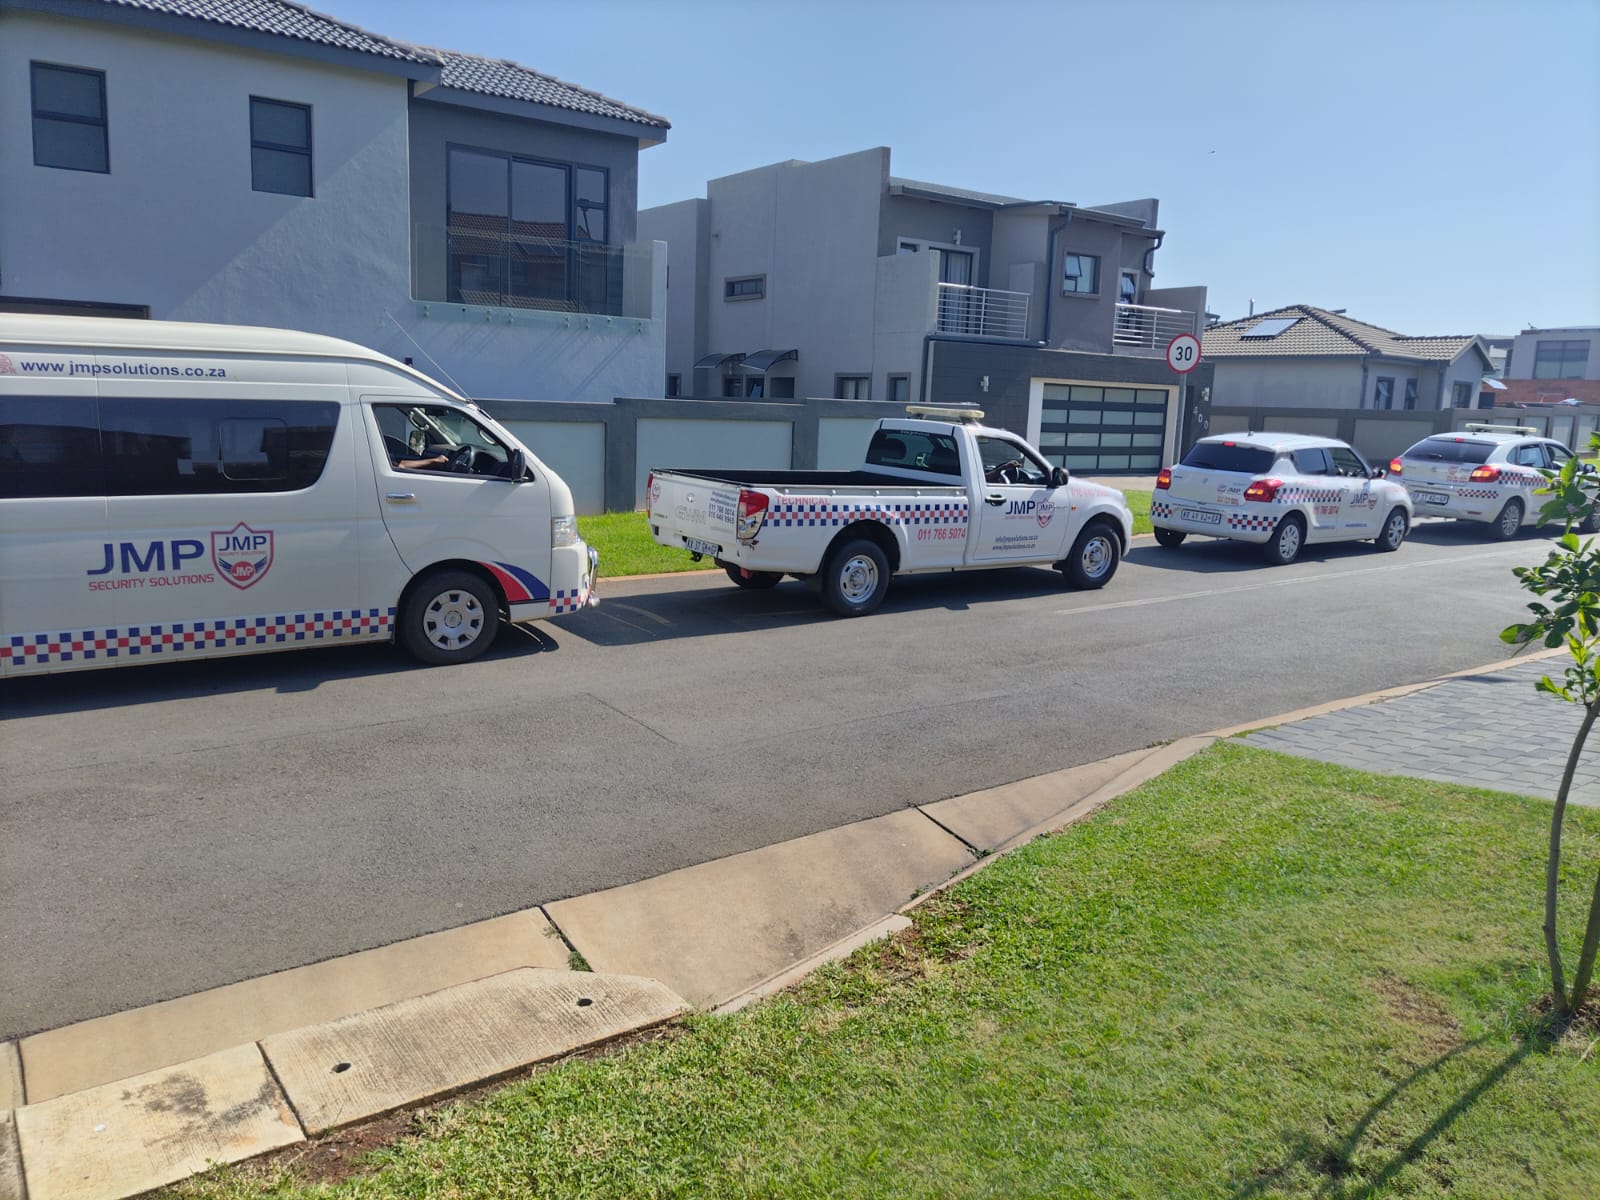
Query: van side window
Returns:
{"type": "Point", "coordinates": [437, 438]}
{"type": "Point", "coordinates": [160, 447]}
{"type": "Point", "coordinates": [49, 446]}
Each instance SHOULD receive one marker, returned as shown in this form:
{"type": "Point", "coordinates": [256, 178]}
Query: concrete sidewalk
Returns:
{"type": "Point", "coordinates": [119, 1105]}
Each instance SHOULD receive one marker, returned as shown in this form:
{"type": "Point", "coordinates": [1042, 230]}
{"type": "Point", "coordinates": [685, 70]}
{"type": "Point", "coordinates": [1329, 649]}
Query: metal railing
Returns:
{"type": "Point", "coordinates": [983, 312]}
{"type": "Point", "coordinates": [515, 269]}
{"type": "Point", "coordinates": [1145, 329]}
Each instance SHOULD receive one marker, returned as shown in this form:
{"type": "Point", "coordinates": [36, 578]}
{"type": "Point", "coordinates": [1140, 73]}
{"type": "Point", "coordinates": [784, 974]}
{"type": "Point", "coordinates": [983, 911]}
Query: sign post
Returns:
{"type": "Point", "coordinates": [1183, 356]}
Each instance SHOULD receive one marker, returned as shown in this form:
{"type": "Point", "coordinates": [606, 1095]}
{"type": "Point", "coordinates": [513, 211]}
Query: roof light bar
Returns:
{"type": "Point", "coordinates": [945, 414]}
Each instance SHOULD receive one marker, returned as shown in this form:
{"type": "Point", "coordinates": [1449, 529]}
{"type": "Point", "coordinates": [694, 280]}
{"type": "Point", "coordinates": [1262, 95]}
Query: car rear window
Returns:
{"type": "Point", "coordinates": [1450, 450]}
{"type": "Point", "coordinates": [1223, 456]}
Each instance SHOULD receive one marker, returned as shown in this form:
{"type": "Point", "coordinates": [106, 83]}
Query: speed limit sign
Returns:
{"type": "Point", "coordinates": [1183, 353]}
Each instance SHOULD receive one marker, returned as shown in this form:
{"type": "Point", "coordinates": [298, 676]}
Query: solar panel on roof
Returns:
{"type": "Point", "coordinates": [1270, 327]}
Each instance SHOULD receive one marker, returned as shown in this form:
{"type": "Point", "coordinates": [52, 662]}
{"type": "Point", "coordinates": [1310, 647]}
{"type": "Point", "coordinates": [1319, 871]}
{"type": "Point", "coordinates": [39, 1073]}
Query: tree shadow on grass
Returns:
{"type": "Point", "coordinates": [1331, 1162]}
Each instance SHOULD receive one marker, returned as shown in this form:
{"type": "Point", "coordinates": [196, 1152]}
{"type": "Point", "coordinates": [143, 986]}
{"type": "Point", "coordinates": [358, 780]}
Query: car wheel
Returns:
{"type": "Point", "coordinates": [449, 617]}
{"type": "Point", "coordinates": [1094, 557]}
{"type": "Point", "coordinates": [856, 578]}
{"type": "Point", "coordinates": [1591, 521]}
{"type": "Point", "coordinates": [758, 580]}
{"type": "Point", "coordinates": [1508, 522]}
{"type": "Point", "coordinates": [1394, 531]}
{"type": "Point", "coordinates": [1283, 547]}
{"type": "Point", "coordinates": [1170, 538]}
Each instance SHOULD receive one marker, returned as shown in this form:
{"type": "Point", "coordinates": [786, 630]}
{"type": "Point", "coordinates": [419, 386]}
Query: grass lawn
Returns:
{"type": "Point", "coordinates": [1255, 976]}
{"type": "Point", "coordinates": [626, 547]}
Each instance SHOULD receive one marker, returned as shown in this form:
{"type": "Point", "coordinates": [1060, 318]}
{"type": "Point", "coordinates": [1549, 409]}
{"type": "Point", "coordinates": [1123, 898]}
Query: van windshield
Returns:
{"type": "Point", "coordinates": [1230, 456]}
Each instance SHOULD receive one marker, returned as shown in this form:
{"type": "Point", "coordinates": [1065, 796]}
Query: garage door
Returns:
{"type": "Point", "coordinates": [1095, 428]}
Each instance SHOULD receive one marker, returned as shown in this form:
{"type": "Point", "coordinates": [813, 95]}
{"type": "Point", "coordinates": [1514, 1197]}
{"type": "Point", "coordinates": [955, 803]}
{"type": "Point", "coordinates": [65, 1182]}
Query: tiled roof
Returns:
{"type": "Point", "coordinates": [1320, 333]}
{"type": "Point", "coordinates": [508, 80]}
{"type": "Point", "coordinates": [288, 20]}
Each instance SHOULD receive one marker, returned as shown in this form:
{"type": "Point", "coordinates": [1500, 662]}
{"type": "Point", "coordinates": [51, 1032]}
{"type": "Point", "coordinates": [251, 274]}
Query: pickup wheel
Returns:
{"type": "Point", "coordinates": [1094, 557]}
{"type": "Point", "coordinates": [759, 580]}
{"type": "Point", "coordinates": [855, 578]}
{"type": "Point", "coordinates": [449, 617]}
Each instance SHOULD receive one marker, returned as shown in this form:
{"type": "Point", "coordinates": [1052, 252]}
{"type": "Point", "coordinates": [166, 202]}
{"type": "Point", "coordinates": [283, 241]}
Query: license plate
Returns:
{"type": "Point", "coordinates": [700, 547]}
{"type": "Point", "coordinates": [1200, 516]}
{"type": "Point", "coordinates": [1432, 498]}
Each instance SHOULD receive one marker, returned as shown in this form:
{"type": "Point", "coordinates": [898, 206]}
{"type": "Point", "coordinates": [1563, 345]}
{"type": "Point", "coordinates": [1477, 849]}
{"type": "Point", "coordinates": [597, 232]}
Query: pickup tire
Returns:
{"type": "Point", "coordinates": [449, 617]}
{"type": "Point", "coordinates": [855, 578]}
{"type": "Point", "coordinates": [758, 580]}
{"type": "Point", "coordinates": [1094, 557]}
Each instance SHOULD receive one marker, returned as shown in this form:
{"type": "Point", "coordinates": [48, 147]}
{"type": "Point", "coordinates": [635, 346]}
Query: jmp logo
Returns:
{"type": "Point", "coordinates": [7, 367]}
{"type": "Point", "coordinates": [242, 555]}
{"type": "Point", "coordinates": [1043, 511]}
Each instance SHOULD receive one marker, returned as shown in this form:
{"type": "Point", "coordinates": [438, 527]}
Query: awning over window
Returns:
{"type": "Point", "coordinates": [717, 360]}
{"type": "Point", "coordinates": [762, 359]}
{"type": "Point", "coordinates": [1493, 384]}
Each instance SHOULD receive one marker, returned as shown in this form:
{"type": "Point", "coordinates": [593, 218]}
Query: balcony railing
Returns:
{"type": "Point", "coordinates": [983, 312]}
{"type": "Point", "coordinates": [501, 269]}
{"type": "Point", "coordinates": [1144, 329]}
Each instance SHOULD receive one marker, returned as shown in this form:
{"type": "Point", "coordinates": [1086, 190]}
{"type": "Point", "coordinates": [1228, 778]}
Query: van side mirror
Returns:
{"type": "Point", "coordinates": [517, 469]}
{"type": "Point", "coordinates": [1059, 477]}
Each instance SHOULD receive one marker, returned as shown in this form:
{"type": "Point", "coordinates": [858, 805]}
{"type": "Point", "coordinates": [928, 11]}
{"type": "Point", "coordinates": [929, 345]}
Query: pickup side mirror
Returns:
{"type": "Point", "coordinates": [1059, 477]}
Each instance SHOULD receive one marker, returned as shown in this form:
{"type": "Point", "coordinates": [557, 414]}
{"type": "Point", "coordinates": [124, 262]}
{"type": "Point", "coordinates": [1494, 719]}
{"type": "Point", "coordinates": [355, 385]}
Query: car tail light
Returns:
{"type": "Point", "coordinates": [1485, 474]}
{"type": "Point", "coordinates": [1263, 489]}
{"type": "Point", "coordinates": [752, 512]}
{"type": "Point", "coordinates": [1164, 480]}
{"type": "Point", "coordinates": [1395, 466]}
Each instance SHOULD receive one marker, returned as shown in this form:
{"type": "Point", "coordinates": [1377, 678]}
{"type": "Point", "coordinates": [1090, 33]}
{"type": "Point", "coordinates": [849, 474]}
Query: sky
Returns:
{"type": "Point", "coordinates": [1432, 166]}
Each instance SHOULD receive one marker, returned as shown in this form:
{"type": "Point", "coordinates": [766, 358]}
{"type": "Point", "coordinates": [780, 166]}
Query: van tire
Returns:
{"type": "Point", "coordinates": [855, 579]}
{"type": "Point", "coordinates": [449, 617]}
{"type": "Point", "coordinates": [1094, 557]}
{"type": "Point", "coordinates": [755, 580]}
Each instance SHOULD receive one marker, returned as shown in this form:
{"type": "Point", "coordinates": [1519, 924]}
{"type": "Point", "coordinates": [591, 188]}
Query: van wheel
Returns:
{"type": "Point", "coordinates": [856, 578]}
{"type": "Point", "coordinates": [752, 579]}
{"type": "Point", "coordinates": [1394, 531]}
{"type": "Point", "coordinates": [449, 617]}
{"type": "Point", "coordinates": [1094, 557]}
{"type": "Point", "coordinates": [1508, 522]}
{"type": "Point", "coordinates": [1284, 545]}
{"type": "Point", "coordinates": [1170, 538]}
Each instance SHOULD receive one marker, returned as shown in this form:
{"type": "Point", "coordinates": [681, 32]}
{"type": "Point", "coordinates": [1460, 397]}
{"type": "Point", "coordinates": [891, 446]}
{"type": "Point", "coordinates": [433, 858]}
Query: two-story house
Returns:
{"type": "Point", "coordinates": [254, 162]}
{"type": "Point", "coordinates": [838, 279]}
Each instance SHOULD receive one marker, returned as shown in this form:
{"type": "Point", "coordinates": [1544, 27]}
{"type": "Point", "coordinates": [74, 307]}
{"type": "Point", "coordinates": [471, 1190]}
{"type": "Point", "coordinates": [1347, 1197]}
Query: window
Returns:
{"type": "Point", "coordinates": [899, 389]}
{"type": "Point", "coordinates": [420, 434]}
{"type": "Point", "coordinates": [1411, 394]}
{"type": "Point", "coordinates": [1128, 288]}
{"type": "Point", "coordinates": [1348, 463]}
{"type": "Point", "coordinates": [755, 387]}
{"type": "Point", "coordinates": [280, 147]}
{"type": "Point", "coordinates": [69, 119]}
{"type": "Point", "coordinates": [1311, 461]}
{"type": "Point", "coordinates": [854, 387]}
{"type": "Point", "coordinates": [1228, 456]}
{"type": "Point", "coordinates": [1560, 359]}
{"type": "Point", "coordinates": [528, 233]}
{"type": "Point", "coordinates": [1461, 395]}
{"type": "Point", "coordinates": [1005, 461]}
{"type": "Point", "coordinates": [674, 385]}
{"type": "Point", "coordinates": [1383, 394]}
{"type": "Point", "coordinates": [749, 287]}
{"type": "Point", "coordinates": [1080, 275]}
{"type": "Point", "coordinates": [732, 387]}
{"type": "Point", "coordinates": [781, 388]}
{"type": "Point", "coordinates": [1269, 327]}
{"type": "Point", "coordinates": [1529, 454]}
{"type": "Point", "coordinates": [1450, 449]}
{"type": "Point", "coordinates": [914, 450]}
{"type": "Point", "coordinates": [49, 446]}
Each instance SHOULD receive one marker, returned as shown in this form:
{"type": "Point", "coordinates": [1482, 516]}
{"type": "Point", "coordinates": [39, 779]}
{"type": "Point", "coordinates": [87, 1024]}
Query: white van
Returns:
{"type": "Point", "coordinates": [192, 491]}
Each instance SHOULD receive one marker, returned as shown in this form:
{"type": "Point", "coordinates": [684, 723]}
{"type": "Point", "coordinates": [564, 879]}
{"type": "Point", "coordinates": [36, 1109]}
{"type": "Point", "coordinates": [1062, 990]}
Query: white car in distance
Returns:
{"type": "Point", "coordinates": [1281, 491]}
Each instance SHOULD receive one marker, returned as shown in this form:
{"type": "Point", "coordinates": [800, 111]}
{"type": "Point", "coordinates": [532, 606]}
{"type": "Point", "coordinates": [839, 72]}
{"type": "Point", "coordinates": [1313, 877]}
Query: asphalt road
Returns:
{"type": "Point", "coordinates": [174, 827]}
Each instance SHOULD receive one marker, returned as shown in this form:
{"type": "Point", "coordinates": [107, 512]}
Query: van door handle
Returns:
{"type": "Point", "coordinates": [401, 497]}
{"type": "Point", "coordinates": [994, 498]}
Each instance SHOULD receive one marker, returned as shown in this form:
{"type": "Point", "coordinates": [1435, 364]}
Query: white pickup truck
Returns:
{"type": "Point", "coordinates": [937, 492]}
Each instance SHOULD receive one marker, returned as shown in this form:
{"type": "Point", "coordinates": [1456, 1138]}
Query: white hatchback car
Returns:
{"type": "Point", "coordinates": [1484, 473]}
{"type": "Point", "coordinates": [1279, 490]}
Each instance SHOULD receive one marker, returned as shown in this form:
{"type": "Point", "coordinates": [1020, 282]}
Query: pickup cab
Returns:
{"type": "Point", "coordinates": [937, 492]}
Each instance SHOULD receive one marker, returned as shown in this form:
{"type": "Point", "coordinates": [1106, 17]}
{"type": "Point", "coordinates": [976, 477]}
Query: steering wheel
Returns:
{"type": "Point", "coordinates": [461, 459]}
{"type": "Point", "coordinates": [1003, 472]}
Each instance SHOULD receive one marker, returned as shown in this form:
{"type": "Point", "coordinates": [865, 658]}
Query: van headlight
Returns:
{"type": "Point", "coordinates": [563, 531]}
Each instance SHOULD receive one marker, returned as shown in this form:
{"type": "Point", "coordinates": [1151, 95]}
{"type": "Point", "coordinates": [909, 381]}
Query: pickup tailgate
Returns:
{"type": "Point", "coordinates": [693, 513]}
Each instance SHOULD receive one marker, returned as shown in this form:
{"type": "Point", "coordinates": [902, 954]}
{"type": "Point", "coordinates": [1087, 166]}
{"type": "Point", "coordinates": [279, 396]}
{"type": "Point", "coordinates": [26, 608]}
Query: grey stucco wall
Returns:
{"type": "Point", "coordinates": [683, 227]}
{"type": "Point", "coordinates": [1301, 383]}
{"type": "Point", "coordinates": [1524, 349]}
{"type": "Point", "coordinates": [914, 219]}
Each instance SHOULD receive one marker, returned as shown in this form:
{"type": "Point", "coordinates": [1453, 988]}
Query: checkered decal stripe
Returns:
{"type": "Point", "coordinates": [1160, 508]}
{"type": "Point", "coordinates": [1478, 493]}
{"type": "Point", "coordinates": [178, 637]}
{"type": "Point", "coordinates": [1251, 523]}
{"type": "Point", "coordinates": [568, 600]}
{"type": "Point", "coordinates": [907, 512]}
{"type": "Point", "coordinates": [1303, 495]}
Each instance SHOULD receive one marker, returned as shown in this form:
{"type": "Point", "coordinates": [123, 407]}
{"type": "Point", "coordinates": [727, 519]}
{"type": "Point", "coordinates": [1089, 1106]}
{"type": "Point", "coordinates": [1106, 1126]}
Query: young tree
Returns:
{"type": "Point", "coordinates": [1568, 612]}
